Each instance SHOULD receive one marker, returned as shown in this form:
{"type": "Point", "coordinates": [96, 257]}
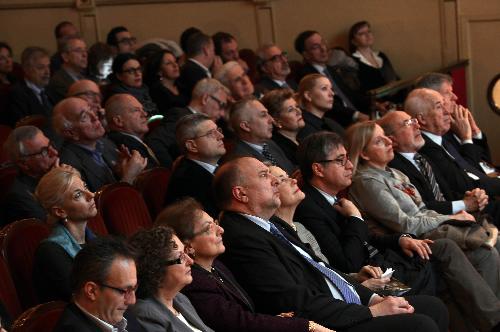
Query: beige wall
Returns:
{"type": "Point", "coordinates": [418, 35]}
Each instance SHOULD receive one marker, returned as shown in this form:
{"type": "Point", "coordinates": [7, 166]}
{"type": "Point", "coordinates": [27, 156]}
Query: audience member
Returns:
{"type": "Point", "coordinates": [121, 40]}
{"type": "Point", "coordinates": [28, 97]}
{"type": "Point", "coordinates": [86, 149]}
{"type": "Point", "coordinates": [6, 65]}
{"type": "Point", "coordinates": [274, 68]}
{"type": "Point", "coordinates": [315, 97]}
{"type": "Point", "coordinates": [163, 269]}
{"type": "Point", "coordinates": [288, 121]}
{"type": "Point", "coordinates": [201, 143]}
{"type": "Point", "coordinates": [253, 127]}
{"type": "Point", "coordinates": [234, 77]}
{"type": "Point", "coordinates": [270, 265]}
{"type": "Point", "coordinates": [103, 281]}
{"type": "Point", "coordinates": [64, 30]}
{"type": "Point", "coordinates": [226, 46]}
{"type": "Point", "coordinates": [127, 78]}
{"type": "Point", "coordinates": [74, 54]}
{"type": "Point", "coordinates": [34, 155]}
{"type": "Point", "coordinates": [200, 57]}
{"type": "Point", "coordinates": [90, 92]}
{"type": "Point", "coordinates": [183, 39]}
{"type": "Point", "coordinates": [69, 205]}
{"type": "Point", "coordinates": [161, 74]}
{"type": "Point", "coordinates": [128, 123]}
{"type": "Point", "coordinates": [100, 62]}
{"type": "Point", "coordinates": [209, 98]}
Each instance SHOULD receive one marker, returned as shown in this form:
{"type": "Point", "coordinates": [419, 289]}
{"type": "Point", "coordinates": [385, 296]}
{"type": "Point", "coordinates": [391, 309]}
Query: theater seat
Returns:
{"type": "Point", "coordinates": [8, 293]}
{"type": "Point", "coordinates": [43, 317]}
{"type": "Point", "coordinates": [152, 184]}
{"type": "Point", "coordinates": [19, 241]}
{"type": "Point", "coordinates": [97, 225]}
{"type": "Point", "coordinates": [36, 120]}
{"type": "Point", "coordinates": [123, 209]}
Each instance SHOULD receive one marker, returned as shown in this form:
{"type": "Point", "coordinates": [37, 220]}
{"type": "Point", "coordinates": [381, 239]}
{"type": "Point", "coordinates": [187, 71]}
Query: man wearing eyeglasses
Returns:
{"type": "Point", "coordinates": [121, 40]}
{"type": "Point", "coordinates": [104, 281]}
{"type": "Point", "coordinates": [274, 67]}
{"type": "Point", "coordinates": [201, 143]}
{"type": "Point", "coordinates": [74, 55]}
{"type": "Point", "coordinates": [89, 91]}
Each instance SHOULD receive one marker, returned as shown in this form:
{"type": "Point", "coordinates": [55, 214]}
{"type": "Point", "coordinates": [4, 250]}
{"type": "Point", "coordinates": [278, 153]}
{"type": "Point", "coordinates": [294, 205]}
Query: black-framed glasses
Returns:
{"type": "Point", "coordinates": [220, 103]}
{"type": "Point", "coordinates": [213, 224]}
{"type": "Point", "coordinates": [212, 133]}
{"type": "Point", "coordinates": [125, 292]}
{"type": "Point", "coordinates": [341, 161]}
{"type": "Point", "coordinates": [44, 152]}
{"type": "Point", "coordinates": [133, 71]}
{"type": "Point", "coordinates": [129, 41]}
{"type": "Point", "coordinates": [182, 259]}
{"type": "Point", "coordinates": [274, 58]}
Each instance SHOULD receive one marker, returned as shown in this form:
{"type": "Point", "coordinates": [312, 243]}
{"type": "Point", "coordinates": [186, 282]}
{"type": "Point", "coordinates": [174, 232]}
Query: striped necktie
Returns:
{"type": "Point", "coordinates": [268, 155]}
{"type": "Point", "coordinates": [426, 169]}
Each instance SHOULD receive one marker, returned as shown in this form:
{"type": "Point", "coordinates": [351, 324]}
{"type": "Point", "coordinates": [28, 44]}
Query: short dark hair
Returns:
{"type": "Point", "coordinates": [185, 36]}
{"type": "Point", "coordinates": [181, 216]}
{"type": "Point", "coordinates": [59, 27]}
{"type": "Point", "coordinates": [432, 81]}
{"type": "Point", "coordinates": [221, 38]}
{"type": "Point", "coordinates": [315, 148]}
{"type": "Point", "coordinates": [111, 38]}
{"type": "Point", "coordinates": [7, 46]}
{"type": "Point", "coordinates": [195, 43]}
{"type": "Point", "coordinates": [153, 248]}
{"type": "Point", "coordinates": [153, 64]}
{"type": "Point", "coordinates": [353, 31]}
{"type": "Point", "coordinates": [120, 60]}
{"type": "Point", "coordinates": [300, 40]}
{"type": "Point", "coordinates": [274, 99]}
{"type": "Point", "coordinates": [93, 262]}
{"type": "Point", "coordinates": [227, 176]}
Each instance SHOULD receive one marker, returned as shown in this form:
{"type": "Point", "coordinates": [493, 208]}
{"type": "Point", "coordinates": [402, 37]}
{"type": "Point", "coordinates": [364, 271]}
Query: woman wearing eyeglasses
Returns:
{"type": "Point", "coordinates": [219, 299]}
{"type": "Point", "coordinates": [127, 78]}
{"type": "Point", "coordinates": [163, 270]}
{"type": "Point", "coordinates": [69, 206]}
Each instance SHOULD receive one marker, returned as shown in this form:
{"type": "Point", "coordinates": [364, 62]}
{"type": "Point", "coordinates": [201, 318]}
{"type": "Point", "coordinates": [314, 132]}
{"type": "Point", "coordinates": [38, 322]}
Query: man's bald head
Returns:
{"type": "Point", "coordinates": [427, 106]}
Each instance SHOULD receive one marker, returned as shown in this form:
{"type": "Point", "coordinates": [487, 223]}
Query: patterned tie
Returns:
{"type": "Point", "coordinates": [268, 155]}
{"type": "Point", "coordinates": [343, 286]}
{"type": "Point", "coordinates": [426, 170]}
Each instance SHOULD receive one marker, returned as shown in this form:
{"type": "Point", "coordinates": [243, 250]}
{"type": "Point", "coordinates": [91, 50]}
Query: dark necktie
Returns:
{"type": "Point", "coordinates": [45, 100]}
{"type": "Point", "coordinates": [268, 155]}
{"type": "Point", "coordinates": [464, 164]}
{"type": "Point", "coordinates": [343, 286]}
{"type": "Point", "coordinates": [285, 85]}
{"type": "Point", "coordinates": [426, 170]}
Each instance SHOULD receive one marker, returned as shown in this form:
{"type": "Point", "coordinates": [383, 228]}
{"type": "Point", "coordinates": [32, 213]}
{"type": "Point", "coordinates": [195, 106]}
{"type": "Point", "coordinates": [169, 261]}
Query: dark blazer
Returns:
{"type": "Point", "coordinates": [211, 296]}
{"type": "Point", "coordinates": [371, 77]}
{"type": "Point", "coordinates": [190, 179]}
{"type": "Point", "coordinates": [165, 99]}
{"type": "Point", "coordinates": [93, 174]}
{"type": "Point", "coordinates": [58, 85]}
{"type": "Point", "coordinates": [191, 73]}
{"type": "Point", "coordinates": [289, 147]}
{"type": "Point", "coordinates": [279, 279]}
{"type": "Point", "coordinates": [23, 102]}
{"type": "Point", "coordinates": [19, 202]}
{"type": "Point", "coordinates": [471, 152]}
{"type": "Point", "coordinates": [242, 149]}
{"type": "Point", "coordinates": [266, 84]}
{"type": "Point", "coordinates": [162, 139]}
{"type": "Point", "coordinates": [424, 187]}
{"type": "Point", "coordinates": [132, 144]}
{"type": "Point", "coordinates": [315, 124]}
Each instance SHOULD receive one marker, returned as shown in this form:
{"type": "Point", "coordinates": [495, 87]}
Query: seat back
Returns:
{"type": "Point", "coordinates": [152, 184]}
{"type": "Point", "coordinates": [123, 209]}
{"type": "Point", "coordinates": [8, 293]}
{"type": "Point", "coordinates": [43, 317]}
{"type": "Point", "coordinates": [97, 225]}
{"type": "Point", "coordinates": [19, 241]}
{"type": "Point", "coordinates": [36, 120]}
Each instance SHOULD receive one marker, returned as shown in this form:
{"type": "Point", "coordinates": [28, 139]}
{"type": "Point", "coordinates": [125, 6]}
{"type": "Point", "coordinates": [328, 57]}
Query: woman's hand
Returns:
{"type": "Point", "coordinates": [464, 216]}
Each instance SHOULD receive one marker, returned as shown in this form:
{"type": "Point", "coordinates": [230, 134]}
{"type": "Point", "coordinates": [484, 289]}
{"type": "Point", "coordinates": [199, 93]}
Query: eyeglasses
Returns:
{"type": "Point", "coordinates": [44, 152]}
{"type": "Point", "coordinates": [283, 55]}
{"type": "Point", "coordinates": [129, 41]}
{"type": "Point", "coordinates": [209, 229]}
{"type": "Point", "coordinates": [213, 133]}
{"type": "Point", "coordinates": [410, 122]}
{"type": "Point", "coordinates": [133, 71]}
{"type": "Point", "coordinates": [316, 47]}
{"type": "Point", "coordinates": [341, 161]}
{"type": "Point", "coordinates": [125, 292]}
{"type": "Point", "coordinates": [182, 259]}
{"type": "Point", "coordinates": [222, 105]}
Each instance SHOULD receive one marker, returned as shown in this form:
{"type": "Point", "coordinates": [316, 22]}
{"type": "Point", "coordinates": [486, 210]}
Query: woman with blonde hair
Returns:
{"type": "Point", "coordinates": [69, 206]}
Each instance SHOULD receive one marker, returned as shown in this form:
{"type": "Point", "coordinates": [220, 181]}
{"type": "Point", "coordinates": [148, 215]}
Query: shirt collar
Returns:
{"type": "Point", "coordinates": [280, 83]}
{"type": "Point", "coordinates": [33, 87]}
{"type": "Point", "coordinates": [433, 137]}
{"type": "Point", "coordinates": [257, 147]}
{"type": "Point", "coordinates": [362, 58]}
{"type": "Point", "coordinates": [209, 167]}
{"type": "Point", "coordinates": [265, 224]}
{"type": "Point", "coordinates": [318, 67]}
{"type": "Point", "coordinates": [202, 66]}
{"type": "Point", "coordinates": [192, 110]}
{"type": "Point", "coordinates": [105, 326]}
{"type": "Point", "coordinates": [331, 199]}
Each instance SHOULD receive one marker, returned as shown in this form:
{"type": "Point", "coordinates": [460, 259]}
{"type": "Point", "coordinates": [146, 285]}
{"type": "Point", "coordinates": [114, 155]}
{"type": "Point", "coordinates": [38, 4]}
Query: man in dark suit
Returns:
{"type": "Point", "coordinates": [200, 57]}
{"type": "Point", "coordinates": [28, 97]}
{"type": "Point", "coordinates": [86, 149]}
{"type": "Point", "coordinates": [128, 123]}
{"type": "Point", "coordinates": [34, 156]}
{"type": "Point", "coordinates": [348, 105]}
{"type": "Point", "coordinates": [274, 67]}
{"type": "Point", "coordinates": [253, 127]}
{"type": "Point", "coordinates": [200, 141]}
{"type": "Point", "coordinates": [104, 281]}
{"type": "Point", "coordinates": [209, 97]}
{"type": "Point", "coordinates": [283, 275]}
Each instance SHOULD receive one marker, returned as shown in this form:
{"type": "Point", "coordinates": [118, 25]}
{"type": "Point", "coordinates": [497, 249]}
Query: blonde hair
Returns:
{"type": "Point", "coordinates": [307, 83]}
{"type": "Point", "coordinates": [357, 138]}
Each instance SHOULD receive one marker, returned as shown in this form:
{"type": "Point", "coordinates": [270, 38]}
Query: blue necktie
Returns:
{"type": "Point", "coordinates": [343, 286]}
{"type": "Point", "coordinates": [452, 151]}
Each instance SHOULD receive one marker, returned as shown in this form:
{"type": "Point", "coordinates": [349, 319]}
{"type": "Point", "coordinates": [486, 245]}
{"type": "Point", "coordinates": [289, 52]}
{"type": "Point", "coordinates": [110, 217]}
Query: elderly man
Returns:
{"type": "Point", "coordinates": [104, 281]}
{"type": "Point", "coordinates": [201, 144]}
{"type": "Point", "coordinates": [74, 54]}
{"type": "Point", "coordinates": [209, 97]}
{"type": "Point", "coordinates": [235, 78]}
{"type": "Point", "coordinates": [348, 103]}
{"type": "Point", "coordinates": [253, 127]}
{"type": "Point", "coordinates": [128, 123]}
{"type": "Point", "coordinates": [273, 64]}
{"type": "Point", "coordinates": [281, 274]}
{"type": "Point", "coordinates": [29, 97]}
{"type": "Point", "coordinates": [121, 40]}
{"type": "Point", "coordinates": [89, 91]}
{"type": "Point", "coordinates": [200, 57]}
{"type": "Point", "coordinates": [86, 149]}
{"type": "Point", "coordinates": [34, 155]}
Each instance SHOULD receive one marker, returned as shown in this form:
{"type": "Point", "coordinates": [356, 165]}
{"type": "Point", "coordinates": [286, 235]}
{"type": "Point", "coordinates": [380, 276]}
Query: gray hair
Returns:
{"type": "Point", "coordinates": [261, 54]}
{"type": "Point", "coordinates": [419, 101]}
{"type": "Point", "coordinates": [60, 122]}
{"type": "Point", "coordinates": [433, 81]}
{"type": "Point", "coordinates": [30, 54]}
{"type": "Point", "coordinates": [239, 112]}
{"type": "Point", "coordinates": [222, 74]}
{"type": "Point", "coordinates": [208, 86]}
{"type": "Point", "coordinates": [65, 44]}
{"type": "Point", "coordinates": [14, 145]}
{"type": "Point", "coordinates": [187, 128]}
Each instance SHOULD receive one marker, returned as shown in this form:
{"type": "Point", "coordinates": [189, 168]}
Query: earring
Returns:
{"type": "Point", "coordinates": [65, 220]}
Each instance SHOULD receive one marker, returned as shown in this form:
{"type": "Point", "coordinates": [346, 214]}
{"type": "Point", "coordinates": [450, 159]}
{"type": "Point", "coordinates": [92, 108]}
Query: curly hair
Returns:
{"type": "Point", "coordinates": [181, 216]}
{"type": "Point", "coordinates": [152, 247]}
